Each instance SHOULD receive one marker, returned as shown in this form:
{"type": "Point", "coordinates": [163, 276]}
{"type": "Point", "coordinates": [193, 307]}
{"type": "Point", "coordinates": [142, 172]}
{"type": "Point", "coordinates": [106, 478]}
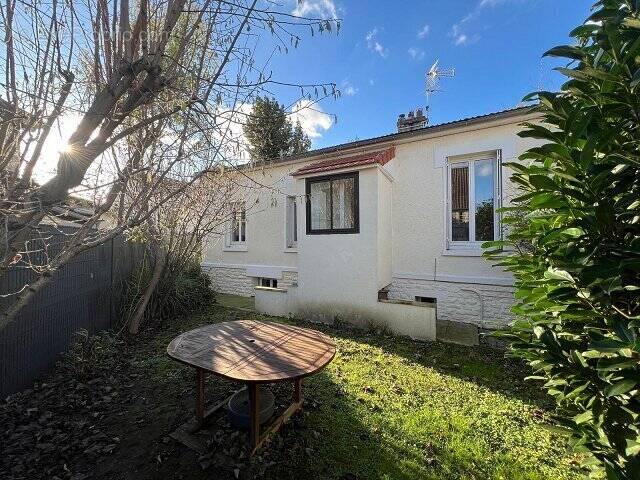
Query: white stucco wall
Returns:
{"type": "Point", "coordinates": [264, 192]}
{"type": "Point", "coordinates": [337, 272]}
{"type": "Point", "coordinates": [419, 205]}
{"type": "Point", "coordinates": [385, 227]}
{"type": "Point", "coordinates": [401, 240]}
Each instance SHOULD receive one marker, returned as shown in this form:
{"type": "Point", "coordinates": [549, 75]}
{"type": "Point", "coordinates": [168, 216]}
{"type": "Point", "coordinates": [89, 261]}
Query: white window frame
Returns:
{"type": "Point", "coordinates": [472, 246]}
{"type": "Point", "coordinates": [291, 224]}
{"type": "Point", "coordinates": [238, 213]}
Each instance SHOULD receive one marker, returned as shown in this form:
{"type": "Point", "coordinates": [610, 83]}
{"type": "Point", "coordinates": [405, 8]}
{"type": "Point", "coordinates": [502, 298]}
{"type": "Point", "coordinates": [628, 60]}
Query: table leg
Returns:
{"type": "Point", "coordinates": [200, 374]}
{"type": "Point", "coordinates": [254, 416]}
{"type": "Point", "coordinates": [297, 391]}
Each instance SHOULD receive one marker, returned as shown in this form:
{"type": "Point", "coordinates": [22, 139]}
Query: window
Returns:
{"type": "Point", "coordinates": [473, 195]}
{"type": "Point", "coordinates": [291, 219]}
{"type": "Point", "coordinates": [425, 299]}
{"type": "Point", "coordinates": [332, 204]}
{"type": "Point", "coordinates": [269, 282]}
{"type": "Point", "coordinates": [238, 224]}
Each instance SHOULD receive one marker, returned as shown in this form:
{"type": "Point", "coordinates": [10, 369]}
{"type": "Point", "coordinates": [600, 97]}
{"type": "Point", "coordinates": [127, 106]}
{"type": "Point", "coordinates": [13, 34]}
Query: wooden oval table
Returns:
{"type": "Point", "coordinates": [254, 353]}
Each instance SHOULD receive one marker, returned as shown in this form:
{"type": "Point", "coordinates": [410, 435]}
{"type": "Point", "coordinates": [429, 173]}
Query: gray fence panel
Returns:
{"type": "Point", "coordinates": [85, 294]}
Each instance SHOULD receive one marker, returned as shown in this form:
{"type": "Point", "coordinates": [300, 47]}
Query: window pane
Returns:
{"type": "Point", "coordinates": [292, 222]}
{"type": "Point", "coordinates": [238, 223]}
{"type": "Point", "coordinates": [460, 204]}
{"type": "Point", "coordinates": [235, 229]}
{"type": "Point", "coordinates": [235, 225]}
{"type": "Point", "coordinates": [295, 220]}
{"type": "Point", "coordinates": [483, 179]}
{"type": "Point", "coordinates": [320, 205]}
{"type": "Point", "coordinates": [243, 225]}
{"type": "Point", "coordinates": [343, 203]}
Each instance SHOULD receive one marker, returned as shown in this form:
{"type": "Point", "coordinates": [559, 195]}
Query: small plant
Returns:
{"type": "Point", "coordinates": [574, 241]}
{"type": "Point", "coordinates": [87, 351]}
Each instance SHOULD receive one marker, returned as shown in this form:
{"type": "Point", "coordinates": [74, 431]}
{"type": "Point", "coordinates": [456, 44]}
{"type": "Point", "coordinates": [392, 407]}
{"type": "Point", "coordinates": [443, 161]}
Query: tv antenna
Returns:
{"type": "Point", "coordinates": [434, 75]}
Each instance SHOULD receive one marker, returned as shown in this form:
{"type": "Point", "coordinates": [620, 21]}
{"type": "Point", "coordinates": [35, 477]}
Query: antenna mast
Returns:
{"type": "Point", "coordinates": [434, 75]}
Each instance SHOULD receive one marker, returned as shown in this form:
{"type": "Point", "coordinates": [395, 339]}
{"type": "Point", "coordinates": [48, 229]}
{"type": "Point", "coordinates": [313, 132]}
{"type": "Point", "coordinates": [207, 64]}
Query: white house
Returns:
{"type": "Point", "coordinates": [384, 231]}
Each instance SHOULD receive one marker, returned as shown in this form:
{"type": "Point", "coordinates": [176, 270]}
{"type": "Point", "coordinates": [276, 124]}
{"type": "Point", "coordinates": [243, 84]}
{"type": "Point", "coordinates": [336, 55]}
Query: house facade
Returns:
{"type": "Point", "coordinates": [383, 232]}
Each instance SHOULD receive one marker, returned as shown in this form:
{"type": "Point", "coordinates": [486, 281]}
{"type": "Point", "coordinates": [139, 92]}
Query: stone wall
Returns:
{"type": "Point", "coordinates": [288, 279]}
{"type": "Point", "coordinates": [486, 306]}
{"type": "Point", "coordinates": [233, 281]}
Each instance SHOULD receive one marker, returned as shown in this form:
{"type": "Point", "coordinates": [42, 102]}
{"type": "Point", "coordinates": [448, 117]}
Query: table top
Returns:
{"type": "Point", "coordinates": [252, 351]}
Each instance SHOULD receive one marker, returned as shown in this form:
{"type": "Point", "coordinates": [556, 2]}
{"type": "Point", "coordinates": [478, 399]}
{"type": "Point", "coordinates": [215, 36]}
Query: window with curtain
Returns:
{"type": "Point", "coordinates": [332, 204]}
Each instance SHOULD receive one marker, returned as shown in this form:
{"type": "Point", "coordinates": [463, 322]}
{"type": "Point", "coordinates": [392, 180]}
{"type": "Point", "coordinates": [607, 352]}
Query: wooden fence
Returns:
{"type": "Point", "coordinates": [85, 294]}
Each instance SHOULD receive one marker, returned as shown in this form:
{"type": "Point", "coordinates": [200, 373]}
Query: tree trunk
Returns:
{"type": "Point", "coordinates": [141, 306]}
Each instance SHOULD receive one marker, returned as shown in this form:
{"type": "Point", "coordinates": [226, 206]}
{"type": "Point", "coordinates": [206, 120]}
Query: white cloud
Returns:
{"type": "Point", "coordinates": [416, 53]}
{"type": "Point", "coordinates": [424, 31]}
{"type": "Point", "coordinates": [311, 117]}
{"type": "Point", "coordinates": [348, 88]}
{"type": "Point", "coordinates": [374, 45]}
{"type": "Point", "coordinates": [491, 3]}
{"type": "Point", "coordinates": [229, 131]}
{"type": "Point", "coordinates": [319, 8]}
{"type": "Point", "coordinates": [461, 38]}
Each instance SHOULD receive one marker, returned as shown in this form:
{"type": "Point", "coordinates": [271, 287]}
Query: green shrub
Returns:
{"type": "Point", "coordinates": [574, 241]}
{"type": "Point", "coordinates": [179, 292]}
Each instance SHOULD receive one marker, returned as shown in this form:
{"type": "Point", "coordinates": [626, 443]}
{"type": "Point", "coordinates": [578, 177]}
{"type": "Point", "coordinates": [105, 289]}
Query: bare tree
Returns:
{"type": "Point", "coordinates": [175, 233]}
{"type": "Point", "coordinates": [157, 89]}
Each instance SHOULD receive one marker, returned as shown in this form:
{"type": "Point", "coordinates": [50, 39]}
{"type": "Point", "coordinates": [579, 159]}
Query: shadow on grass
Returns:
{"type": "Point", "coordinates": [486, 367]}
{"type": "Point", "coordinates": [343, 433]}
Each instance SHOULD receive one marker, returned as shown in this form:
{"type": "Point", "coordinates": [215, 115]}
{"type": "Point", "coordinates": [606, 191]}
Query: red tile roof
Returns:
{"type": "Point", "coordinates": [380, 157]}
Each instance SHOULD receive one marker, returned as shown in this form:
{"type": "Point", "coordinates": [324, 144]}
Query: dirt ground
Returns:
{"type": "Point", "coordinates": [107, 410]}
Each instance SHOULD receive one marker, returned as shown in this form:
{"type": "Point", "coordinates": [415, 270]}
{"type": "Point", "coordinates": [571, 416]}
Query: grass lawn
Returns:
{"type": "Point", "coordinates": [385, 408]}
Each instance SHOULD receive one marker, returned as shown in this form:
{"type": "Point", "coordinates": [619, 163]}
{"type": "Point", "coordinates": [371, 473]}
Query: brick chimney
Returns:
{"type": "Point", "coordinates": [412, 121]}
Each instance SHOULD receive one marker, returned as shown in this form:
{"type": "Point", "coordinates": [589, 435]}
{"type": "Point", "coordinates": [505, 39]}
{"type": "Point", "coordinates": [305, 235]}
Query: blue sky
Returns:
{"type": "Point", "coordinates": [384, 48]}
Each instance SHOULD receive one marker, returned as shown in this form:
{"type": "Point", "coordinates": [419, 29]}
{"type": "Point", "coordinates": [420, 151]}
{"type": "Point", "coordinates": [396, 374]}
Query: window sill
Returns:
{"type": "Point", "coordinates": [462, 252]}
{"type": "Point", "coordinates": [270, 289]}
{"type": "Point", "coordinates": [235, 248]}
{"type": "Point", "coordinates": [291, 250]}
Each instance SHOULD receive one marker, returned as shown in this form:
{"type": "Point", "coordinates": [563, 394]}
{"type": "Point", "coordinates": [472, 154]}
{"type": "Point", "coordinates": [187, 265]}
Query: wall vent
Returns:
{"type": "Point", "coordinates": [426, 300]}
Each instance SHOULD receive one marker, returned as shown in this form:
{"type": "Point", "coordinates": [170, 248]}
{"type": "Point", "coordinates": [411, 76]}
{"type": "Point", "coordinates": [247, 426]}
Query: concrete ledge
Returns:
{"type": "Point", "coordinates": [410, 319]}
{"type": "Point", "coordinates": [270, 289]}
{"type": "Point", "coordinates": [399, 301]}
{"type": "Point", "coordinates": [276, 301]}
{"type": "Point", "coordinates": [457, 332]}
